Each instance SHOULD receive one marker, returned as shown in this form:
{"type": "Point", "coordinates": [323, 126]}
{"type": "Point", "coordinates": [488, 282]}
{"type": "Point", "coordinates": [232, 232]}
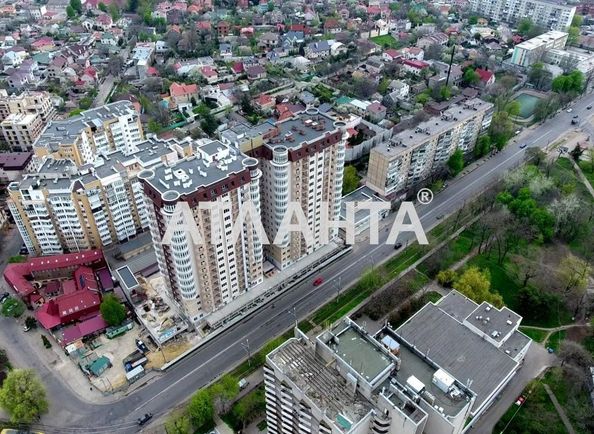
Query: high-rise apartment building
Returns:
{"type": "Point", "coordinates": [63, 207]}
{"type": "Point", "coordinates": [204, 276]}
{"type": "Point", "coordinates": [23, 117]}
{"type": "Point", "coordinates": [552, 15]}
{"type": "Point", "coordinates": [112, 127]}
{"type": "Point", "coordinates": [428, 376]}
{"type": "Point", "coordinates": [302, 161]}
{"type": "Point", "coordinates": [410, 156]}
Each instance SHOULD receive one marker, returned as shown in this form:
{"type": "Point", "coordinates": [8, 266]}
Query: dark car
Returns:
{"type": "Point", "coordinates": [397, 246]}
{"type": "Point", "coordinates": [23, 250]}
{"type": "Point", "coordinates": [318, 281]}
{"type": "Point", "coordinates": [589, 107]}
{"type": "Point", "coordinates": [4, 296]}
{"type": "Point", "coordinates": [144, 419]}
{"type": "Point", "coordinates": [523, 145]}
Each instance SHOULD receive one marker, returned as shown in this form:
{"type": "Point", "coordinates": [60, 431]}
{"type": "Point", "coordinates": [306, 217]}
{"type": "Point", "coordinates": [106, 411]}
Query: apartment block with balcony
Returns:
{"type": "Point", "coordinates": [302, 161]}
{"type": "Point", "coordinates": [112, 127]}
{"type": "Point", "coordinates": [65, 208]}
{"type": "Point", "coordinates": [411, 156]}
{"type": "Point", "coordinates": [551, 14]}
{"type": "Point", "coordinates": [203, 277]}
{"type": "Point", "coordinates": [23, 117]}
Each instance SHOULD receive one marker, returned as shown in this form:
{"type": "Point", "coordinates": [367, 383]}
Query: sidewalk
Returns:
{"type": "Point", "coordinates": [560, 410]}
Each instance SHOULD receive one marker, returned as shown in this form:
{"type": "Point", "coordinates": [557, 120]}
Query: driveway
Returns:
{"type": "Point", "coordinates": [537, 360]}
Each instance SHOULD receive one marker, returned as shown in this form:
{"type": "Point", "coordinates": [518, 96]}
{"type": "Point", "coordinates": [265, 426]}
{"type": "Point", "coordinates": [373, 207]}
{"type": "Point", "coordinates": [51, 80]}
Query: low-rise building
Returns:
{"type": "Point", "coordinates": [533, 50]}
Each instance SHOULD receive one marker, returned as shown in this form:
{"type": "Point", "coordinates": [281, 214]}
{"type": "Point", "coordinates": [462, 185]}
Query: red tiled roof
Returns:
{"type": "Point", "coordinates": [484, 74]}
{"type": "Point", "coordinates": [82, 329]}
{"type": "Point", "coordinates": [76, 302]}
{"type": "Point", "coordinates": [416, 63]}
{"type": "Point", "coordinates": [393, 53]}
{"type": "Point", "coordinates": [14, 274]}
{"type": "Point", "coordinates": [182, 89]}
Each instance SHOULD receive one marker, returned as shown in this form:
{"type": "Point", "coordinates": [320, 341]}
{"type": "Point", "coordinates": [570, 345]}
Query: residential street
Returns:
{"type": "Point", "coordinates": [69, 414]}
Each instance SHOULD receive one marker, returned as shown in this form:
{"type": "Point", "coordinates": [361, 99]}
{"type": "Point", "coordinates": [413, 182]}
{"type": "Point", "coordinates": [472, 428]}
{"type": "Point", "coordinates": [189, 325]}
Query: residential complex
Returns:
{"type": "Point", "coordinates": [442, 367]}
{"type": "Point", "coordinates": [410, 156]}
{"type": "Point", "coordinates": [551, 14]}
{"type": "Point", "coordinates": [533, 50]}
{"type": "Point", "coordinates": [112, 127]}
{"type": "Point", "coordinates": [62, 207]}
{"type": "Point", "coordinates": [23, 117]}
{"type": "Point", "coordinates": [202, 277]}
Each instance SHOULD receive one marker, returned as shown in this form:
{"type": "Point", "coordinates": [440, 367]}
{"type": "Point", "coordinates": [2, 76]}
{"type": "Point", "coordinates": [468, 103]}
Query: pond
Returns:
{"type": "Point", "coordinates": [527, 104]}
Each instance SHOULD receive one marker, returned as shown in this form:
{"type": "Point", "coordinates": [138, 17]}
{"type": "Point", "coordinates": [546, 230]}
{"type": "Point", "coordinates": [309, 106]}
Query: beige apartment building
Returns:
{"type": "Point", "coordinates": [203, 277]}
{"type": "Point", "coordinates": [65, 208]}
{"type": "Point", "coordinates": [410, 156]}
{"type": "Point", "coordinates": [23, 117]}
{"type": "Point", "coordinates": [112, 127]}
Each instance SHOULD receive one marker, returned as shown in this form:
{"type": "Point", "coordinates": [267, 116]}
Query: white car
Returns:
{"type": "Point", "coordinates": [569, 110]}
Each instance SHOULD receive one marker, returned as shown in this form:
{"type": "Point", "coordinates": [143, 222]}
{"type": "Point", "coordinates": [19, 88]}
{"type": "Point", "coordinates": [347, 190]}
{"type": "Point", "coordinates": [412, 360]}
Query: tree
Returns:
{"type": "Point", "coordinates": [434, 52]}
{"type": "Point", "coordinates": [456, 162]}
{"type": "Point", "coordinates": [70, 12]}
{"type": "Point", "coordinates": [573, 35]}
{"type": "Point", "coordinates": [576, 153]}
{"type": "Point", "coordinates": [483, 146]}
{"type": "Point", "coordinates": [102, 7]}
{"type": "Point", "coordinates": [572, 82]}
{"type": "Point", "coordinates": [23, 396]}
{"type": "Point", "coordinates": [76, 5]}
{"type": "Point", "coordinates": [114, 12]}
{"type": "Point", "coordinates": [574, 273]}
{"type": "Point", "coordinates": [524, 26]}
{"type": "Point", "coordinates": [577, 21]}
{"type": "Point", "coordinates": [476, 284]}
{"type": "Point", "coordinates": [112, 311]}
{"type": "Point", "coordinates": [574, 354]}
{"type": "Point", "coordinates": [115, 65]}
{"type": "Point", "coordinates": [46, 342]}
{"type": "Point", "coordinates": [539, 77]}
{"type": "Point", "coordinates": [178, 423]}
{"type": "Point", "coordinates": [470, 77]}
{"type": "Point", "coordinates": [250, 407]}
{"type": "Point", "coordinates": [350, 180]}
{"type": "Point", "coordinates": [223, 392]}
{"type": "Point", "coordinates": [201, 410]}
{"type": "Point", "coordinates": [447, 277]}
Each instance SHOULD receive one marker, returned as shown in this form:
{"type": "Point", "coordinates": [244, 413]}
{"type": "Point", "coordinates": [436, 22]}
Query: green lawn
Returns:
{"type": "Point", "coordinates": [554, 341]}
{"type": "Point", "coordinates": [535, 335]}
{"type": "Point", "coordinates": [501, 281]}
{"type": "Point", "coordinates": [586, 167]}
{"type": "Point", "coordinates": [386, 41]}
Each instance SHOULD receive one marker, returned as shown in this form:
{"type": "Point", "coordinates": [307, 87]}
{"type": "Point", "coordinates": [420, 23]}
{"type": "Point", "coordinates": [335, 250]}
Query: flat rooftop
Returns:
{"type": "Point", "coordinates": [362, 194]}
{"type": "Point", "coordinates": [321, 383]}
{"type": "Point", "coordinates": [497, 323]}
{"type": "Point", "coordinates": [200, 170]}
{"type": "Point", "coordinates": [456, 349]}
{"type": "Point", "coordinates": [66, 131]}
{"type": "Point", "coordinates": [543, 39]}
{"type": "Point", "coordinates": [359, 352]}
{"type": "Point", "coordinates": [414, 137]}
{"type": "Point", "coordinates": [302, 128]}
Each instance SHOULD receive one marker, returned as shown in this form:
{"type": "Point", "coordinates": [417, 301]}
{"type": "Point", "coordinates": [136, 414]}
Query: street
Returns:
{"type": "Point", "coordinates": [68, 413]}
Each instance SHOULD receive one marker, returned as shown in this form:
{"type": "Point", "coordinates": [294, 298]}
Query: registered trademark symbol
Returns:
{"type": "Point", "coordinates": [425, 196]}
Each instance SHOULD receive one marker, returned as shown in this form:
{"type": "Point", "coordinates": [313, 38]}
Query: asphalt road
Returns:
{"type": "Point", "coordinates": [71, 414]}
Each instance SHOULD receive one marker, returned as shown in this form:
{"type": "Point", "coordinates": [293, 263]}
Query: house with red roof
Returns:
{"type": "Point", "coordinates": [210, 74]}
{"type": "Point", "coordinates": [237, 68]}
{"type": "Point", "coordinates": [391, 54]}
{"type": "Point", "coordinates": [415, 67]}
{"type": "Point", "coordinates": [43, 44]}
{"type": "Point", "coordinates": [89, 76]}
{"type": "Point", "coordinates": [487, 77]}
{"type": "Point", "coordinates": [264, 103]}
{"type": "Point", "coordinates": [331, 25]}
{"type": "Point", "coordinates": [182, 95]}
{"type": "Point", "coordinates": [223, 28]}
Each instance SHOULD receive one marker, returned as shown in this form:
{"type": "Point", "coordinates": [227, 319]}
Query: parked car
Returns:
{"type": "Point", "coordinates": [23, 250]}
{"type": "Point", "coordinates": [569, 110]}
{"type": "Point", "coordinates": [144, 419]}
{"type": "Point", "coordinates": [589, 107]}
{"type": "Point", "coordinates": [3, 297]}
{"type": "Point", "coordinates": [318, 281]}
{"type": "Point", "coordinates": [243, 383]}
{"type": "Point", "coordinates": [397, 246]}
{"type": "Point", "coordinates": [523, 145]}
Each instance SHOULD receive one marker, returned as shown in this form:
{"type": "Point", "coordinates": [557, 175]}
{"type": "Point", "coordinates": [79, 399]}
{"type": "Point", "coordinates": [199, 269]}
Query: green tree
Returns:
{"type": "Point", "coordinates": [178, 423]}
{"type": "Point", "coordinates": [76, 5]}
{"type": "Point", "coordinates": [23, 396]}
{"type": "Point", "coordinates": [223, 391]}
{"type": "Point", "coordinates": [250, 407]}
{"type": "Point", "coordinates": [114, 11]}
{"type": "Point", "coordinates": [201, 410]}
{"type": "Point", "coordinates": [573, 35]}
{"type": "Point", "coordinates": [112, 310]}
{"type": "Point", "coordinates": [525, 26]}
{"type": "Point", "coordinates": [472, 20]}
{"type": "Point", "coordinates": [70, 12]}
{"type": "Point", "coordinates": [13, 307]}
{"type": "Point", "coordinates": [483, 146]}
{"type": "Point", "coordinates": [102, 7]}
{"type": "Point", "coordinates": [476, 284]}
{"type": "Point", "coordinates": [577, 21]}
{"type": "Point", "coordinates": [456, 162]}
{"type": "Point", "coordinates": [350, 180]}
{"type": "Point", "coordinates": [447, 277]}
{"type": "Point", "coordinates": [470, 77]}
{"type": "Point", "coordinates": [422, 98]}
{"type": "Point", "coordinates": [576, 153]}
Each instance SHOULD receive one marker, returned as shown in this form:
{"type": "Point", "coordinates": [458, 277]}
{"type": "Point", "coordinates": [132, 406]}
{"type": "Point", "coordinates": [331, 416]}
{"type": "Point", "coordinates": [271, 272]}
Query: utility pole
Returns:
{"type": "Point", "coordinates": [451, 61]}
{"type": "Point", "coordinates": [246, 347]}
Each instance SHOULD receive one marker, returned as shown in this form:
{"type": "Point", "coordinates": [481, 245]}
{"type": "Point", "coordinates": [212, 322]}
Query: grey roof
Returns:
{"type": "Point", "coordinates": [301, 128]}
{"type": "Point", "coordinates": [515, 343]}
{"type": "Point", "coordinates": [457, 350]}
{"type": "Point", "coordinates": [457, 305]}
{"type": "Point", "coordinates": [362, 194]}
{"type": "Point", "coordinates": [192, 173]}
{"type": "Point", "coordinates": [497, 323]}
{"type": "Point", "coordinates": [67, 131]}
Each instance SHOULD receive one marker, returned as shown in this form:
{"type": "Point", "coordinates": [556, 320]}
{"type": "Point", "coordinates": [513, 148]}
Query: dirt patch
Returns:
{"type": "Point", "coordinates": [577, 334]}
{"type": "Point", "coordinates": [169, 352]}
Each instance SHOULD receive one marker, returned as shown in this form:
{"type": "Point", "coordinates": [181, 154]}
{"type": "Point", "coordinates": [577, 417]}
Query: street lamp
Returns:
{"type": "Point", "coordinates": [246, 347]}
